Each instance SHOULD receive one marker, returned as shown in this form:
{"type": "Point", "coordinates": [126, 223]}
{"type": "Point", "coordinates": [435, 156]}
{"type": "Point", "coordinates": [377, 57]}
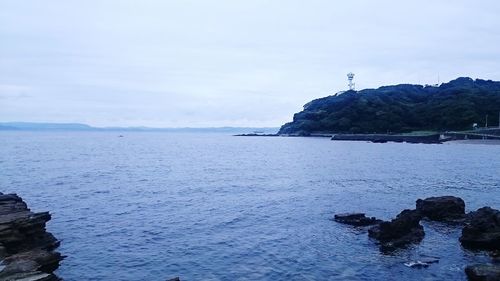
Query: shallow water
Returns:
{"type": "Point", "coordinates": [151, 206]}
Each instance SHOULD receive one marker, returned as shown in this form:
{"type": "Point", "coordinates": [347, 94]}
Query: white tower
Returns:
{"type": "Point", "coordinates": [351, 84]}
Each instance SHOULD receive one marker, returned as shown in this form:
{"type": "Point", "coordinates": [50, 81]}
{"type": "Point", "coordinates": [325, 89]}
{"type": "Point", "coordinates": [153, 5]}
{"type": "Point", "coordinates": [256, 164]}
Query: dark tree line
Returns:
{"type": "Point", "coordinates": [402, 108]}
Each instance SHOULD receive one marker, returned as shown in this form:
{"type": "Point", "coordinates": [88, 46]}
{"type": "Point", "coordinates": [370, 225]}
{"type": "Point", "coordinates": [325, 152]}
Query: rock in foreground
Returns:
{"type": "Point", "coordinates": [356, 219]}
{"type": "Point", "coordinates": [26, 248]}
{"type": "Point", "coordinates": [401, 231]}
{"type": "Point", "coordinates": [443, 208]}
{"type": "Point", "coordinates": [482, 230]}
{"type": "Point", "coordinates": [483, 272]}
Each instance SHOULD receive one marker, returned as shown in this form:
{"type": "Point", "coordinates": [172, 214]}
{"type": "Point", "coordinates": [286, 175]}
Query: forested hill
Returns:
{"type": "Point", "coordinates": [401, 108]}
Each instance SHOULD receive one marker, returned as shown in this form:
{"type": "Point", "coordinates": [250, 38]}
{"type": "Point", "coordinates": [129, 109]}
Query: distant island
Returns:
{"type": "Point", "coordinates": [455, 105]}
{"type": "Point", "coordinates": [34, 126]}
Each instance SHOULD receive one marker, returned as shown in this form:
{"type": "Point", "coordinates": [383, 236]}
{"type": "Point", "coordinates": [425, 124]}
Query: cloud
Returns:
{"type": "Point", "coordinates": [217, 63]}
{"type": "Point", "coordinates": [14, 92]}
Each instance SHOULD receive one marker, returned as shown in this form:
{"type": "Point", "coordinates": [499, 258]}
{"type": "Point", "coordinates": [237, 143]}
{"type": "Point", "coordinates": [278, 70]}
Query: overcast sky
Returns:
{"type": "Point", "coordinates": [227, 63]}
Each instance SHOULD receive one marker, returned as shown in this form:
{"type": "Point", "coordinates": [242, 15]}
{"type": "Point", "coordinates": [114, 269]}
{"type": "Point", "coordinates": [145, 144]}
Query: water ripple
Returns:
{"type": "Point", "coordinates": [213, 207]}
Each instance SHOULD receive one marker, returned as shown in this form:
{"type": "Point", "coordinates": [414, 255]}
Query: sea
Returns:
{"type": "Point", "coordinates": [157, 205]}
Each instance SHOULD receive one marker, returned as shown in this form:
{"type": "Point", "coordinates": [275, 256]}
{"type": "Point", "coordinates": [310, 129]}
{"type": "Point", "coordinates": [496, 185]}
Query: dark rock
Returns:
{"type": "Point", "coordinates": [174, 279]}
{"type": "Point", "coordinates": [20, 266]}
{"type": "Point", "coordinates": [495, 256]}
{"type": "Point", "coordinates": [399, 232]}
{"type": "Point", "coordinates": [257, 135]}
{"type": "Point", "coordinates": [443, 208]}
{"type": "Point", "coordinates": [46, 261]}
{"type": "Point", "coordinates": [483, 272]}
{"type": "Point", "coordinates": [356, 219]}
{"type": "Point", "coordinates": [379, 141]}
{"type": "Point", "coordinates": [30, 276]}
{"type": "Point", "coordinates": [26, 248]}
{"type": "Point", "coordinates": [482, 230]}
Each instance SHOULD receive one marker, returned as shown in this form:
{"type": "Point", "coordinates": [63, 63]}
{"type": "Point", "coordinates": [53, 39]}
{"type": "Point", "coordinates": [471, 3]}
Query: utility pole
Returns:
{"type": "Point", "coordinates": [486, 125]}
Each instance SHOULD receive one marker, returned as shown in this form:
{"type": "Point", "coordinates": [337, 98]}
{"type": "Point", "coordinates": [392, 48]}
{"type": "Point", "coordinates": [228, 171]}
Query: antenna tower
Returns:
{"type": "Point", "coordinates": [350, 77]}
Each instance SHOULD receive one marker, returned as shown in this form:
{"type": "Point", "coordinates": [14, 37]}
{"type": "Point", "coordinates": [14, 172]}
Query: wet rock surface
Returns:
{"type": "Point", "coordinates": [482, 230]}
{"type": "Point", "coordinates": [356, 219]}
{"type": "Point", "coordinates": [26, 248]}
{"type": "Point", "coordinates": [399, 232]}
{"type": "Point", "coordinates": [483, 272]}
{"type": "Point", "coordinates": [443, 208]}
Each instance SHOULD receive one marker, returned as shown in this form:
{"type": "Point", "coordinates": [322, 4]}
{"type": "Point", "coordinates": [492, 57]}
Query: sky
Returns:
{"type": "Point", "coordinates": [186, 63]}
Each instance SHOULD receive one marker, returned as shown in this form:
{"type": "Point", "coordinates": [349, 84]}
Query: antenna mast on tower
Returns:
{"type": "Point", "coordinates": [351, 84]}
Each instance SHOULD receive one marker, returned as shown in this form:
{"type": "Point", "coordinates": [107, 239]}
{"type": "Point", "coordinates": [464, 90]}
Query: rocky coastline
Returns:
{"type": "Point", "coordinates": [480, 230]}
{"type": "Point", "coordinates": [27, 250]}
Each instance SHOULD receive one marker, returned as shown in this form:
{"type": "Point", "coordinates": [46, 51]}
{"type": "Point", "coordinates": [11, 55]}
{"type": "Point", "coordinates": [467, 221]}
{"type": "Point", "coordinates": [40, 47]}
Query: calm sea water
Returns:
{"type": "Point", "coordinates": [151, 206]}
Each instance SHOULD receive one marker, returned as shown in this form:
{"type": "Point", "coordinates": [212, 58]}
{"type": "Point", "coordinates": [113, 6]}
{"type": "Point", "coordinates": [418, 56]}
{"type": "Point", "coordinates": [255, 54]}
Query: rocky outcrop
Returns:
{"type": "Point", "coordinates": [26, 248]}
{"type": "Point", "coordinates": [405, 228]}
{"type": "Point", "coordinates": [401, 231]}
{"type": "Point", "coordinates": [483, 272]}
{"type": "Point", "coordinates": [356, 219]}
{"type": "Point", "coordinates": [482, 230]}
{"type": "Point", "coordinates": [443, 208]}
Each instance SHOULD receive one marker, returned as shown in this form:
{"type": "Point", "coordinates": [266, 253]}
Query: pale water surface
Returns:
{"type": "Point", "coordinates": [151, 206]}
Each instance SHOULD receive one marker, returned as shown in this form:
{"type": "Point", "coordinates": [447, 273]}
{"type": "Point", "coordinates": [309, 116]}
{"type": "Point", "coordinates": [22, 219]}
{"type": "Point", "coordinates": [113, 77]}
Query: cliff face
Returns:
{"type": "Point", "coordinates": [27, 250]}
{"type": "Point", "coordinates": [455, 105]}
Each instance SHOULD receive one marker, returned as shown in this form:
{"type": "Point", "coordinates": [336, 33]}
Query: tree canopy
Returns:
{"type": "Point", "coordinates": [455, 105]}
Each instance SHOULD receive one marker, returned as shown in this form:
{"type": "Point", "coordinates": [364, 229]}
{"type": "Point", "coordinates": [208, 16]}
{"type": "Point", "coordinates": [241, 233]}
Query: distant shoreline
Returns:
{"type": "Point", "coordinates": [33, 126]}
{"type": "Point", "coordinates": [381, 138]}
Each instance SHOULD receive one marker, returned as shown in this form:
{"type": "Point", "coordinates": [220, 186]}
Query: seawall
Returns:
{"type": "Point", "coordinates": [435, 138]}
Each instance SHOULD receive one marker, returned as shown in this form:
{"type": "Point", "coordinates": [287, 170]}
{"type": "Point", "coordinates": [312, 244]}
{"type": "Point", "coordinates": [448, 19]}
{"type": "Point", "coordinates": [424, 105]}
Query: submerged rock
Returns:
{"type": "Point", "coordinates": [26, 248]}
{"type": "Point", "coordinates": [399, 232]}
{"type": "Point", "coordinates": [356, 219]}
{"type": "Point", "coordinates": [443, 208]}
{"type": "Point", "coordinates": [483, 272]}
{"type": "Point", "coordinates": [482, 230]}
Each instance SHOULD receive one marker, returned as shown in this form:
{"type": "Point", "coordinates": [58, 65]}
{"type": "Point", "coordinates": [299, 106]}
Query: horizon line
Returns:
{"type": "Point", "coordinates": [83, 126]}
